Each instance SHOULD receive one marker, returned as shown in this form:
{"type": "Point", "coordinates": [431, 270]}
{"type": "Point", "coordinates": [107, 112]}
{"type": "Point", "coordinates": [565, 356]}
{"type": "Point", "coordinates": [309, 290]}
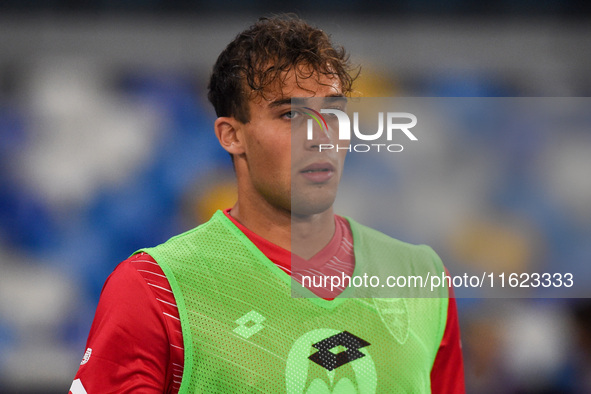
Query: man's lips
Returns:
{"type": "Point", "coordinates": [318, 172]}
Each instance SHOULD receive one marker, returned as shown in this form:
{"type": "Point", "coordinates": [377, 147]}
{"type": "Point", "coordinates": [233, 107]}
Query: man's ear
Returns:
{"type": "Point", "coordinates": [229, 133]}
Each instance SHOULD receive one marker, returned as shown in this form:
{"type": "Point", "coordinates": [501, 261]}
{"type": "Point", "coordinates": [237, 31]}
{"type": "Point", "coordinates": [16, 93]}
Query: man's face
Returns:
{"type": "Point", "coordinates": [286, 169]}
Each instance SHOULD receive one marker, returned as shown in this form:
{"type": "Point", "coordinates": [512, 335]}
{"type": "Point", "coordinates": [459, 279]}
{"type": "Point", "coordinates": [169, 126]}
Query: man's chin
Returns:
{"type": "Point", "coordinates": [303, 209]}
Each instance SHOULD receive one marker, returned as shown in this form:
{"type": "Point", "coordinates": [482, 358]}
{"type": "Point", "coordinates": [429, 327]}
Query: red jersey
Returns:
{"type": "Point", "coordinates": [136, 344]}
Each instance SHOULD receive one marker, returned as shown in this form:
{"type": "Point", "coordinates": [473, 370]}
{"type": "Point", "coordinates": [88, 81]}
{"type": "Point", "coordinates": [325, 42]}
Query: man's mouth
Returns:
{"type": "Point", "coordinates": [318, 167]}
{"type": "Point", "coordinates": [318, 172]}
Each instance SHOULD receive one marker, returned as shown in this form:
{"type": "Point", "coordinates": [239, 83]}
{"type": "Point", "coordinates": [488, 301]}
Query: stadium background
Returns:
{"type": "Point", "coordinates": [106, 145]}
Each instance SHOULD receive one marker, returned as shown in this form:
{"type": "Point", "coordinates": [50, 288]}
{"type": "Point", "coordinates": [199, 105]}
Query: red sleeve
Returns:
{"type": "Point", "coordinates": [127, 349]}
{"type": "Point", "coordinates": [447, 375]}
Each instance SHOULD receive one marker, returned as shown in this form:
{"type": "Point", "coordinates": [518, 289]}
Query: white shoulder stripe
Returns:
{"type": "Point", "coordinates": [166, 302]}
{"type": "Point", "coordinates": [169, 315]}
{"type": "Point", "coordinates": [149, 284]}
{"type": "Point", "coordinates": [153, 273]}
{"type": "Point", "coordinates": [146, 261]}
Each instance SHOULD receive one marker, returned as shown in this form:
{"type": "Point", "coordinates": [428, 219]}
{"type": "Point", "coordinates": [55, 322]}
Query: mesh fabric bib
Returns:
{"type": "Point", "coordinates": [244, 333]}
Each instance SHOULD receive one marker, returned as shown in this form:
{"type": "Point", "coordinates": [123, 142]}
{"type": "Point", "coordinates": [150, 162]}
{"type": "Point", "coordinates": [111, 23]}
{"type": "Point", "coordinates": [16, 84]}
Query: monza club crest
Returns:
{"type": "Point", "coordinates": [394, 315]}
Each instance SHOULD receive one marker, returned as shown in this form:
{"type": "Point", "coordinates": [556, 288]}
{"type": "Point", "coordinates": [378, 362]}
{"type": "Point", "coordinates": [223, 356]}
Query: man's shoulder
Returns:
{"type": "Point", "coordinates": [132, 270]}
{"type": "Point", "coordinates": [371, 242]}
{"type": "Point", "coordinates": [365, 234]}
{"type": "Point", "coordinates": [215, 228]}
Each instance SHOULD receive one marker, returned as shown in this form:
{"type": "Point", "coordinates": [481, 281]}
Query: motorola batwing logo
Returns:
{"type": "Point", "coordinates": [327, 349]}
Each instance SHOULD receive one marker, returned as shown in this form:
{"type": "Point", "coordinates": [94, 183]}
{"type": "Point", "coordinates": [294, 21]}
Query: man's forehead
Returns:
{"type": "Point", "coordinates": [337, 99]}
{"type": "Point", "coordinates": [300, 83]}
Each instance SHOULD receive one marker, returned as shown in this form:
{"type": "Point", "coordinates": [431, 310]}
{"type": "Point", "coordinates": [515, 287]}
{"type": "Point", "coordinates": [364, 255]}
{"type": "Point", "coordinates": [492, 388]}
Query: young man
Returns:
{"type": "Point", "coordinates": [211, 309]}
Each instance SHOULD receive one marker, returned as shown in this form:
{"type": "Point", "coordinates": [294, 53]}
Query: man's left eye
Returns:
{"type": "Point", "coordinates": [291, 114]}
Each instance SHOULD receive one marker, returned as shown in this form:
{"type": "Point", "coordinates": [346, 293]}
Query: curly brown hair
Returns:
{"type": "Point", "coordinates": [260, 55]}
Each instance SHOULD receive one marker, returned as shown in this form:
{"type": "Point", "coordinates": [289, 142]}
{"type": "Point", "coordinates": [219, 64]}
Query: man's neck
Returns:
{"type": "Point", "coordinates": [302, 235]}
{"type": "Point", "coordinates": [310, 234]}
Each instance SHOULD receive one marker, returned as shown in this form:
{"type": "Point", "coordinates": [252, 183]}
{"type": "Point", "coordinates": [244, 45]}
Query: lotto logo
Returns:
{"type": "Point", "coordinates": [329, 360]}
{"type": "Point", "coordinates": [249, 324]}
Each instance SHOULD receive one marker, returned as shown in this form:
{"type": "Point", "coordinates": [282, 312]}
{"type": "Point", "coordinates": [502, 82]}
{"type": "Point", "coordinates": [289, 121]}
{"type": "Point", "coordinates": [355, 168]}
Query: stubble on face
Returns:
{"type": "Point", "coordinates": [274, 161]}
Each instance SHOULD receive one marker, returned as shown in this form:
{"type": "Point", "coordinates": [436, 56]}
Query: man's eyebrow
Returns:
{"type": "Point", "coordinates": [336, 98]}
{"type": "Point", "coordinates": [301, 101]}
{"type": "Point", "coordinates": [280, 102]}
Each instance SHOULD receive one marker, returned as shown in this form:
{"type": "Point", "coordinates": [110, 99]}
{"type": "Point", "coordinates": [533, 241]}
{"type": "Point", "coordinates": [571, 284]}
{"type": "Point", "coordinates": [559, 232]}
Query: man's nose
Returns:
{"type": "Point", "coordinates": [316, 135]}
